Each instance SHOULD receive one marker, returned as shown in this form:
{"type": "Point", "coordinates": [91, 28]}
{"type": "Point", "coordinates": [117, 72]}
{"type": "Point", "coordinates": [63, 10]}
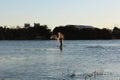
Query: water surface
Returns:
{"type": "Point", "coordinates": [42, 60]}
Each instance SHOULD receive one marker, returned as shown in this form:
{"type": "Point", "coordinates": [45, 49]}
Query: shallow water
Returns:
{"type": "Point", "coordinates": [42, 60]}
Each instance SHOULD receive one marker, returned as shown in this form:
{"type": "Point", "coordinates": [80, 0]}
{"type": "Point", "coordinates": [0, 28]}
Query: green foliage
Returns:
{"type": "Point", "coordinates": [70, 32]}
{"type": "Point", "coordinates": [73, 33]}
{"type": "Point", "coordinates": [116, 33]}
{"type": "Point", "coordinates": [26, 33]}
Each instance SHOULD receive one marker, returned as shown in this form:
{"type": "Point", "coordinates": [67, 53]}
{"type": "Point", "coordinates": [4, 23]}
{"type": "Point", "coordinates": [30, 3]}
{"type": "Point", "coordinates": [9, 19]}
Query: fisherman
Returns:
{"type": "Point", "coordinates": [59, 37]}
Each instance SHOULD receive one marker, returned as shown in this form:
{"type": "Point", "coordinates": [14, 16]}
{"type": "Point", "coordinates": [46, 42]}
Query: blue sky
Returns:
{"type": "Point", "coordinates": [98, 13]}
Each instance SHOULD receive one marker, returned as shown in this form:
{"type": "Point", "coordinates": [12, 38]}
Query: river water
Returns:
{"type": "Point", "coordinates": [43, 60]}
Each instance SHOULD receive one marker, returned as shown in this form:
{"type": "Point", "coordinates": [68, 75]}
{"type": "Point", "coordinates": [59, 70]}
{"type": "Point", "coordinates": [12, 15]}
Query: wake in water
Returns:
{"type": "Point", "coordinates": [95, 75]}
{"type": "Point", "coordinates": [97, 46]}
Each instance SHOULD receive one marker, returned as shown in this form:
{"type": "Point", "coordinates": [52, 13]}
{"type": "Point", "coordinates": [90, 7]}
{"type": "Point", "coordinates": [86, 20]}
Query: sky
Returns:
{"type": "Point", "coordinates": [97, 13]}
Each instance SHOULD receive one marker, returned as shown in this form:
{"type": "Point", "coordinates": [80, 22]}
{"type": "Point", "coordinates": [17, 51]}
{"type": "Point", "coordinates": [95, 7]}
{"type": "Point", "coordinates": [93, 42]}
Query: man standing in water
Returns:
{"type": "Point", "coordinates": [60, 39]}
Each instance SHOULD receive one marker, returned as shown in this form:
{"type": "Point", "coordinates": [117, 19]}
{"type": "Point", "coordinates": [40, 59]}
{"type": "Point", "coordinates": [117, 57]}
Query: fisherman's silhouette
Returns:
{"type": "Point", "coordinates": [59, 37]}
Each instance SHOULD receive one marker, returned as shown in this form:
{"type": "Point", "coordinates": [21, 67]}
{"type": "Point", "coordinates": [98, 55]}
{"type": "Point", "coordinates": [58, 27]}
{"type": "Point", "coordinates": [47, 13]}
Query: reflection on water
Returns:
{"type": "Point", "coordinates": [43, 60]}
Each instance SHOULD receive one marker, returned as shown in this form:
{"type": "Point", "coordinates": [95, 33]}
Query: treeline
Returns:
{"type": "Point", "coordinates": [71, 32]}
{"type": "Point", "coordinates": [28, 32]}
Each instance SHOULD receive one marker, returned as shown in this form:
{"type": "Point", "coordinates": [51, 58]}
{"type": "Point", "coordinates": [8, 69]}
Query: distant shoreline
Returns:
{"type": "Point", "coordinates": [65, 40]}
{"type": "Point", "coordinates": [71, 32]}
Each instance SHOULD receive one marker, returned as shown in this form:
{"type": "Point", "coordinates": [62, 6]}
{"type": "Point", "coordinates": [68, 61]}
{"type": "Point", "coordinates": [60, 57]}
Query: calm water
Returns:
{"type": "Point", "coordinates": [42, 60]}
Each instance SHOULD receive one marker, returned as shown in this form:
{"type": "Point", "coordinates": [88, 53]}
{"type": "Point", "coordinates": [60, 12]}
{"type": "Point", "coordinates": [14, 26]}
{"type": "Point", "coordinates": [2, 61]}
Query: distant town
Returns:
{"type": "Point", "coordinates": [71, 32]}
